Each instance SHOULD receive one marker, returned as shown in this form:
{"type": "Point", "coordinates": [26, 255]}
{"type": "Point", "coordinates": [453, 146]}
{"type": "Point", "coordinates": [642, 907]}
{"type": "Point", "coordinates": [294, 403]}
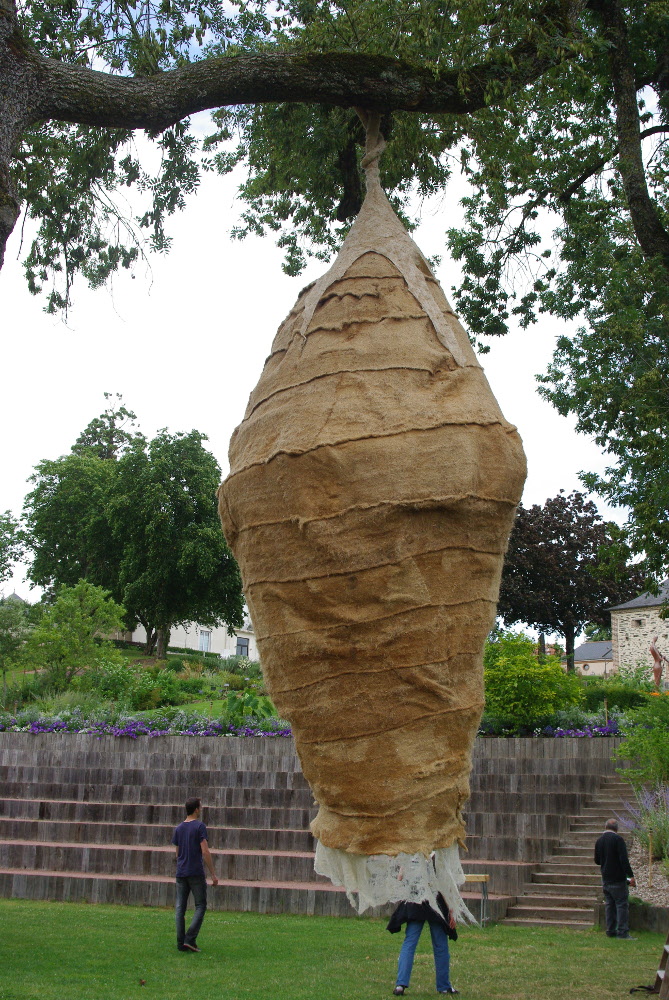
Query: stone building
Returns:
{"type": "Point", "coordinates": [206, 639]}
{"type": "Point", "coordinates": [635, 624]}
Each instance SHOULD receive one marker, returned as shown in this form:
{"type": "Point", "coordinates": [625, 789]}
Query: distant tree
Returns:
{"type": "Point", "coordinates": [11, 545]}
{"type": "Point", "coordinates": [139, 519]}
{"type": "Point", "coordinates": [67, 639]}
{"type": "Point", "coordinates": [556, 576]}
{"type": "Point", "coordinates": [110, 434]}
{"type": "Point", "coordinates": [176, 566]}
{"type": "Point", "coordinates": [66, 523]}
{"type": "Point", "coordinates": [13, 630]}
{"type": "Point", "coordinates": [597, 633]}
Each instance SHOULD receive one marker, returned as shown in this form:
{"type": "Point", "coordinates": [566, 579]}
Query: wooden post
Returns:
{"type": "Point", "coordinates": [650, 860]}
{"type": "Point", "coordinates": [606, 712]}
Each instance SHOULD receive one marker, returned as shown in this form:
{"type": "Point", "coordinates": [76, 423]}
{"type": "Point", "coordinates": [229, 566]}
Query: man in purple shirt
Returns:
{"type": "Point", "coordinates": [190, 840]}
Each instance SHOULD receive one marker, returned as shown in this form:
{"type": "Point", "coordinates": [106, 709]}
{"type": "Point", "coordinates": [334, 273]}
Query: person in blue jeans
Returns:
{"type": "Point", "coordinates": [617, 876]}
{"type": "Point", "coordinates": [190, 840]}
{"type": "Point", "coordinates": [442, 927]}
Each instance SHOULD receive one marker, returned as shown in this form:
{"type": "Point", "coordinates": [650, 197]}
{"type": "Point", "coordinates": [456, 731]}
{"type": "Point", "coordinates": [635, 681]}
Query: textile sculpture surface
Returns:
{"type": "Point", "coordinates": [372, 488]}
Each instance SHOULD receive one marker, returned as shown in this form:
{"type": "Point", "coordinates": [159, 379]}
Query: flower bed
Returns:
{"type": "Point", "coordinates": [171, 724]}
{"type": "Point", "coordinates": [180, 722]}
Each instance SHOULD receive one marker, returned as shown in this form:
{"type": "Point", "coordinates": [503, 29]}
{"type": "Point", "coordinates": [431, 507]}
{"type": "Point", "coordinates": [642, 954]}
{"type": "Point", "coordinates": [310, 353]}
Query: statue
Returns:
{"type": "Point", "coordinates": [659, 659]}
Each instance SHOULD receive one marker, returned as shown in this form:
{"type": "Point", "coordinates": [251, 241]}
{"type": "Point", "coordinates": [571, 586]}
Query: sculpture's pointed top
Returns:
{"type": "Point", "coordinates": [377, 229]}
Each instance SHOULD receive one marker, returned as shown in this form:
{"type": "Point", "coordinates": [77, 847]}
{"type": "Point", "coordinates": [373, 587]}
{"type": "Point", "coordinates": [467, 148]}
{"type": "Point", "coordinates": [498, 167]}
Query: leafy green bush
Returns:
{"type": "Point", "coordinates": [646, 743]}
{"type": "Point", "coordinates": [616, 695]}
{"type": "Point", "coordinates": [520, 690]}
{"type": "Point", "coordinates": [243, 666]}
{"type": "Point", "coordinates": [243, 705]}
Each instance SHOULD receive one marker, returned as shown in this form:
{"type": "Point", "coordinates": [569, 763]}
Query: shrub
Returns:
{"type": "Point", "coordinates": [646, 743]}
{"type": "Point", "coordinates": [649, 819]}
{"type": "Point", "coordinates": [520, 690]}
{"type": "Point", "coordinates": [616, 695]}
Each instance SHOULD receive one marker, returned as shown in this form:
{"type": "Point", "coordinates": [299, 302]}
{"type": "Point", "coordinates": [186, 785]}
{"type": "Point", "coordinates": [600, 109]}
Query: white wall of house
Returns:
{"type": "Point", "coordinates": [210, 640]}
{"type": "Point", "coordinates": [594, 668]}
{"type": "Point", "coordinates": [632, 630]}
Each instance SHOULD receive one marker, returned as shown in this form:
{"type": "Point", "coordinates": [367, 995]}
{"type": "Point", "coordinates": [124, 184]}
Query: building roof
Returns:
{"type": "Point", "coordinates": [593, 651]}
{"type": "Point", "coordinates": [646, 600]}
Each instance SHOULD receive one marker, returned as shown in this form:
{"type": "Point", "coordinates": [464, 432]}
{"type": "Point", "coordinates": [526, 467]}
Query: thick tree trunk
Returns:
{"type": "Point", "coordinates": [19, 76]}
{"type": "Point", "coordinates": [569, 637]}
{"type": "Point", "coordinates": [652, 236]}
{"type": "Point", "coordinates": [163, 642]}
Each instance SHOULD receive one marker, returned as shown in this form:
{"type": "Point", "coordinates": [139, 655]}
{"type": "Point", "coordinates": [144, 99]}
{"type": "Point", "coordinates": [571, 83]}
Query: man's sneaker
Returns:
{"type": "Point", "coordinates": [451, 989]}
{"type": "Point", "coordinates": [191, 947]}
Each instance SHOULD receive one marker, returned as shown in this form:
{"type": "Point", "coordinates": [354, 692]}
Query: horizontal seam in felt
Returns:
{"type": "Point", "coordinates": [428, 797]}
{"type": "Point", "coordinates": [470, 706]}
{"type": "Point", "coordinates": [417, 504]}
{"type": "Point", "coordinates": [380, 618]}
{"type": "Point", "coordinates": [378, 670]}
{"type": "Point", "coordinates": [339, 371]}
{"type": "Point", "coordinates": [369, 437]}
{"type": "Point", "coordinates": [369, 569]}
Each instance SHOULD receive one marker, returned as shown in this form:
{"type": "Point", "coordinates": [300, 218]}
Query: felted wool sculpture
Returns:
{"type": "Point", "coordinates": [372, 488]}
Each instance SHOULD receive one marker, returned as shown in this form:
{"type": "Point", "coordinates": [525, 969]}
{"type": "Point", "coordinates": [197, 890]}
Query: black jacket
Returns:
{"type": "Point", "coordinates": [422, 911]}
{"type": "Point", "coordinates": [611, 856]}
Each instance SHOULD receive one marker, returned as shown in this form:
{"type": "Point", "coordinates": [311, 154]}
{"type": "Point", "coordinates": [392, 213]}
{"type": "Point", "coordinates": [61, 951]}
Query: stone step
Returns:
{"type": "Point", "coordinates": [66, 831]}
{"type": "Point", "coordinates": [558, 878]}
{"type": "Point", "coordinates": [171, 815]}
{"type": "Point", "coordinates": [526, 911]}
{"type": "Point", "coordinates": [214, 792]}
{"type": "Point", "coordinates": [568, 868]}
{"type": "Point", "coordinates": [130, 859]}
{"type": "Point", "coordinates": [576, 925]}
{"type": "Point", "coordinates": [561, 888]}
{"type": "Point", "coordinates": [557, 902]}
{"type": "Point", "coordinates": [211, 794]}
{"type": "Point", "coordinates": [311, 898]}
{"type": "Point", "coordinates": [573, 851]}
{"type": "Point", "coordinates": [114, 776]}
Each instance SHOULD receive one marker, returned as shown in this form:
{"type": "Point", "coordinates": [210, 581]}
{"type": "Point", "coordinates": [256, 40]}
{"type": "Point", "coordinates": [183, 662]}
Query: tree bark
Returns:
{"type": "Point", "coordinates": [569, 637]}
{"type": "Point", "coordinates": [163, 642]}
{"type": "Point", "coordinates": [652, 236]}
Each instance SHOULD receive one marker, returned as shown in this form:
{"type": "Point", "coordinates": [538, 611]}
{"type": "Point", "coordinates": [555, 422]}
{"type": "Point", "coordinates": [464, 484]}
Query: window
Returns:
{"type": "Point", "coordinates": [638, 622]}
{"type": "Point", "coordinates": [205, 641]}
{"type": "Point", "coordinates": [586, 666]}
{"type": "Point", "coordinates": [242, 647]}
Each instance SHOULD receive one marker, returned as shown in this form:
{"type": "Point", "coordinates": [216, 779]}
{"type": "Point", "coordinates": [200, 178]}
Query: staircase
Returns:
{"type": "Point", "coordinates": [91, 819]}
{"type": "Point", "coordinates": [564, 889]}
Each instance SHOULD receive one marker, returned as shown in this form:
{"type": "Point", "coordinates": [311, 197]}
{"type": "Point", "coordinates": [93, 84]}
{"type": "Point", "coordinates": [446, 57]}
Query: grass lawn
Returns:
{"type": "Point", "coordinates": [68, 951]}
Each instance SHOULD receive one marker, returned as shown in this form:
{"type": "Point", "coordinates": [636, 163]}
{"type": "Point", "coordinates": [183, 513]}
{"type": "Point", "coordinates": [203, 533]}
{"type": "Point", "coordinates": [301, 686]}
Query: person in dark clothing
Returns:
{"type": "Point", "coordinates": [442, 927]}
{"type": "Point", "coordinates": [617, 877]}
{"type": "Point", "coordinates": [190, 840]}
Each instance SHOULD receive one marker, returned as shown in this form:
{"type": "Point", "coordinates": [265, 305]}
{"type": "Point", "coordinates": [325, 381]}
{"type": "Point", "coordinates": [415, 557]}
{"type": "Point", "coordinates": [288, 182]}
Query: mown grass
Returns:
{"type": "Point", "coordinates": [67, 951]}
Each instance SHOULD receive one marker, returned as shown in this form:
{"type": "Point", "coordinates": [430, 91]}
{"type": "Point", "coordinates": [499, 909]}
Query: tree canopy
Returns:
{"type": "Point", "coordinates": [557, 112]}
{"type": "Point", "coordinates": [144, 526]}
{"type": "Point", "coordinates": [564, 568]}
{"type": "Point", "coordinates": [11, 545]}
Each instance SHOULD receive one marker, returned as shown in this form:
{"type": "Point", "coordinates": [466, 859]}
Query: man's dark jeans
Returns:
{"type": "Point", "coordinates": [197, 884]}
{"type": "Point", "coordinates": [617, 896]}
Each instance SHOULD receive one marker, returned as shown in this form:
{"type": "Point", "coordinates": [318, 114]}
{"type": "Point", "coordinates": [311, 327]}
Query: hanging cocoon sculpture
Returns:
{"type": "Point", "coordinates": [373, 485]}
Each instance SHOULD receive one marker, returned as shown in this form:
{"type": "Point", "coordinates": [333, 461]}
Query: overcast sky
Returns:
{"type": "Point", "coordinates": [185, 344]}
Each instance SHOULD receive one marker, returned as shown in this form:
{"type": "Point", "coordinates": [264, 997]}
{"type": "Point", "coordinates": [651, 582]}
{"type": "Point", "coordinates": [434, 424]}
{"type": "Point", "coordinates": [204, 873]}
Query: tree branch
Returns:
{"type": "Point", "coordinates": [88, 97]}
{"type": "Point", "coordinates": [652, 236]}
{"type": "Point", "coordinates": [597, 165]}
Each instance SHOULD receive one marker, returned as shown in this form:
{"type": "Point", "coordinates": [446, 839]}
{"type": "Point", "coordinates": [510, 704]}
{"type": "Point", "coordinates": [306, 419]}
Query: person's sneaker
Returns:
{"type": "Point", "coordinates": [191, 947]}
{"type": "Point", "coordinates": [627, 937]}
{"type": "Point", "coordinates": [399, 991]}
{"type": "Point", "coordinates": [451, 989]}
